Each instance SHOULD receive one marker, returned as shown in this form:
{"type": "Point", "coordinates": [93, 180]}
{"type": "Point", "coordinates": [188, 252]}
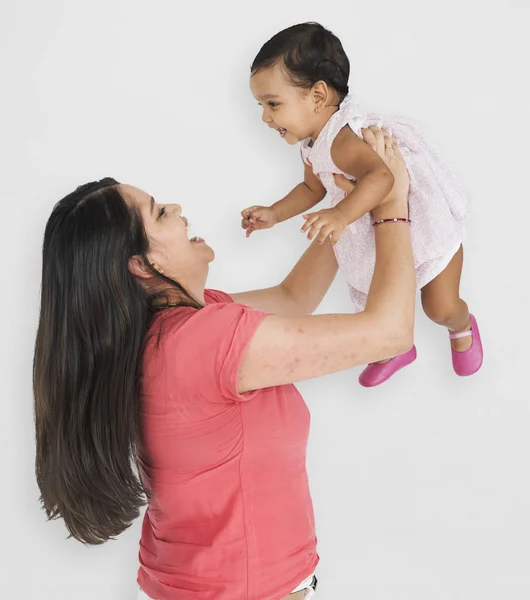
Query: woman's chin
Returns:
{"type": "Point", "coordinates": [202, 246]}
{"type": "Point", "coordinates": [211, 252]}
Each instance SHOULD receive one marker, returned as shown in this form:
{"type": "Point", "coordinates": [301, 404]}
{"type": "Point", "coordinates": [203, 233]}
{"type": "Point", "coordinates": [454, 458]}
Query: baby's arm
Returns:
{"type": "Point", "coordinates": [374, 182]}
{"type": "Point", "coordinates": [374, 179]}
{"type": "Point", "coordinates": [304, 196]}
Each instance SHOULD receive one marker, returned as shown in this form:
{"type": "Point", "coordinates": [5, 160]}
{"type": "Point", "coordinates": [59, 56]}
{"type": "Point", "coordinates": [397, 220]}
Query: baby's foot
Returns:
{"type": "Point", "coordinates": [377, 373]}
{"type": "Point", "coordinates": [467, 361]}
{"type": "Point", "coordinates": [461, 344]}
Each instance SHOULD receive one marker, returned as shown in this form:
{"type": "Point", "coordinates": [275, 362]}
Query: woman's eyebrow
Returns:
{"type": "Point", "coordinates": [152, 204]}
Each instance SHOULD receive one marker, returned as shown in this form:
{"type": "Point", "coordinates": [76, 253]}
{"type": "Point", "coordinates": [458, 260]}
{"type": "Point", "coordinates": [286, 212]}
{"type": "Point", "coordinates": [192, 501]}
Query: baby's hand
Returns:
{"type": "Point", "coordinates": [330, 222]}
{"type": "Point", "coordinates": [257, 217]}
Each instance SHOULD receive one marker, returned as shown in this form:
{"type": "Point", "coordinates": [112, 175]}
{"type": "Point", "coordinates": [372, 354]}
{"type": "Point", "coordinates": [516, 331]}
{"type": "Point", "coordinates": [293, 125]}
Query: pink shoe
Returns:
{"type": "Point", "coordinates": [377, 373]}
{"type": "Point", "coordinates": [469, 361]}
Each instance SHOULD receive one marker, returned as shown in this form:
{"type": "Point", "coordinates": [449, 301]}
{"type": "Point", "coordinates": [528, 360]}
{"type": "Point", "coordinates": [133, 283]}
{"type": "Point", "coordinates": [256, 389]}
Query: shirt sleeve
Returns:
{"type": "Point", "coordinates": [211, 348]}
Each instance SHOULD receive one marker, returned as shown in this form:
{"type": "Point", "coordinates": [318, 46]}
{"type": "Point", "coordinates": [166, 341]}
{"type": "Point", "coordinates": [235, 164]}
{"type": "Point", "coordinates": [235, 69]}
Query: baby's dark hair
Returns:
{"type": "Point", "coordinates": [310, 53]}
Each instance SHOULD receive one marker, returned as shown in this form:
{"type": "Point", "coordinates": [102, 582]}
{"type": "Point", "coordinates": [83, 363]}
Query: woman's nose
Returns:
{"type": "Point", "coordinates": [178, 211]}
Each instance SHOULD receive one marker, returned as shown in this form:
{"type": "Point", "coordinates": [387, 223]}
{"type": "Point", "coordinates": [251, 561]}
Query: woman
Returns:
{"type": "Point", "coordinates": [136, 361]}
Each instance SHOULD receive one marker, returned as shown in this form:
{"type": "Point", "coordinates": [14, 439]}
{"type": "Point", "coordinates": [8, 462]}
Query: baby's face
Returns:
{"type": "Point", "coordinates": [286, 108]}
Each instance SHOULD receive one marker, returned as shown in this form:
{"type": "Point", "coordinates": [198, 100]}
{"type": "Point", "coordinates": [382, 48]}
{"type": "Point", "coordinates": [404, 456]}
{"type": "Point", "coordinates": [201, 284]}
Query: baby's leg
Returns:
{"type": "Point", "coordinates": [441, 301]}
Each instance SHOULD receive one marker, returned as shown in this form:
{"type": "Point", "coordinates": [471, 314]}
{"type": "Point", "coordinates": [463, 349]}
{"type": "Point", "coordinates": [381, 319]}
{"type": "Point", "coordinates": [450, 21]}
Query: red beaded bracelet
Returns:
{"type": "Point", "coordinates": [396, 220]}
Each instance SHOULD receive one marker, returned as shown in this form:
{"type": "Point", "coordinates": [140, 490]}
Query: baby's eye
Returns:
{"type": "Point", "coordinates": [273, 104]}
{"type": "Point", "coordinates": [162, 211]}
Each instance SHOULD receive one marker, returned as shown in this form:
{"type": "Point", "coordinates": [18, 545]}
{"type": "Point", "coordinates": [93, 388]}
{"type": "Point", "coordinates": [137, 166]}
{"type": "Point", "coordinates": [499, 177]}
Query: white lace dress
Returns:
{"type": "Point", "coordinates": [438, 201]}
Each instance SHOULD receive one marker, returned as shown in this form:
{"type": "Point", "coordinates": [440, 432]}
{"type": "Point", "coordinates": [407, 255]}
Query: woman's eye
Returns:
{"type": "Point", "coordinates": [162, 211]}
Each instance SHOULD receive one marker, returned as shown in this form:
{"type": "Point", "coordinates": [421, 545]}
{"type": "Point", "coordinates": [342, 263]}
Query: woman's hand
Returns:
{"type": "Point", "coordinates": [395, 204]}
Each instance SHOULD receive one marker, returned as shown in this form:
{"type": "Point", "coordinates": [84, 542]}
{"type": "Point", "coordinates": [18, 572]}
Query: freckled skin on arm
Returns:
{"type": "Point", "coordinates": [289, 349]}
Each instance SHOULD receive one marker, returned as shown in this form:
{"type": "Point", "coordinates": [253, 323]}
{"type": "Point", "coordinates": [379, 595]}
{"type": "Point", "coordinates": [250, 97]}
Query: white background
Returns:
{"type": "Point", "coordinates": [421, 487]}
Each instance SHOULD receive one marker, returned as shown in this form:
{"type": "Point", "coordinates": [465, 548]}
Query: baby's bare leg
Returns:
{"type": "Point", "coordinates": [441, 301]}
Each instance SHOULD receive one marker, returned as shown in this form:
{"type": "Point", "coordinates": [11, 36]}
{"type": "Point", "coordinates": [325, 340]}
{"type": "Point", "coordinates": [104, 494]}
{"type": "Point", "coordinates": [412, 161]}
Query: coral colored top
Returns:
{"type": "Point", "coordinates": [230, 515]}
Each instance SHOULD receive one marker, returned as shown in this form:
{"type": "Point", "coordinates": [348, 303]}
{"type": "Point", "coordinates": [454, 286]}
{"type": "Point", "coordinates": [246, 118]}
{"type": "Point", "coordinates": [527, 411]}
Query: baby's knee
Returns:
{"type": "Point", "coordinates": [441, 310]}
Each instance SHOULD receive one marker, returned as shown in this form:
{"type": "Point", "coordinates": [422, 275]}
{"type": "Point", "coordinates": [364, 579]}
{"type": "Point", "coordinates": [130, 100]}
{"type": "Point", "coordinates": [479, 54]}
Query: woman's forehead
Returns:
{"type": "Point", "coordinates": [134, 196]}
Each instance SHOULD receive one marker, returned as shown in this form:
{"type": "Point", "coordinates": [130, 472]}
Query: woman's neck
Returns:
{"type": "Point", "coordinates": [172, 296]}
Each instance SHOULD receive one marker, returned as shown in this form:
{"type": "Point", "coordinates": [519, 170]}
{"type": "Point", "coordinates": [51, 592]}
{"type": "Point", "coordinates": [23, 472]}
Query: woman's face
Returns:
{"type": "Point", "coordinates": [181, 258]}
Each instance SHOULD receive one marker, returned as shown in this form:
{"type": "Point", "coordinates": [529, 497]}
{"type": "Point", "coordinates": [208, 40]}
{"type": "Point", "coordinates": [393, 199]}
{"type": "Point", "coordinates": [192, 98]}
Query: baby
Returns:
{"type": "Point", "coordinates": [300, 78]}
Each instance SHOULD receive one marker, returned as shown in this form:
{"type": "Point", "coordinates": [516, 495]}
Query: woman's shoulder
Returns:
{"type": "Point", "coordinates": [219, 311]}
{"type": "Point", "coordinates": [198, 335]}
{"type": "Point", "coordinates": [216, 297]}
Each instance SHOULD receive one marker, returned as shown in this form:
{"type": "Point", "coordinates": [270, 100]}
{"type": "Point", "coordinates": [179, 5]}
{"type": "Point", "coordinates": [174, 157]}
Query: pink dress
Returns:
{"type": "Point", "coordinates": [438, 201]}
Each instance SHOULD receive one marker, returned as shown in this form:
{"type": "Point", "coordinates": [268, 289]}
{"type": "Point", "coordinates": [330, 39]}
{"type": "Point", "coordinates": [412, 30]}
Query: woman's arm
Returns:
{"type": "Point", "coordinates": [305, 286]}
{"type": "Point", "coordinates": [290, 349]}
{"type": "Point", "coordinates": [301, 292]}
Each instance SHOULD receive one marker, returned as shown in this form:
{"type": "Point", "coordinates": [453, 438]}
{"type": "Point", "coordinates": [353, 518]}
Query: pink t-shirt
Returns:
{"type": "Point", "coordinates": [230, 517]}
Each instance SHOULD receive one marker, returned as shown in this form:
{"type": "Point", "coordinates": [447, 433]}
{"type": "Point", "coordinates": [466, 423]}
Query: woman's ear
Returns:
{"type": "Point", "coordinates": [138, 268]}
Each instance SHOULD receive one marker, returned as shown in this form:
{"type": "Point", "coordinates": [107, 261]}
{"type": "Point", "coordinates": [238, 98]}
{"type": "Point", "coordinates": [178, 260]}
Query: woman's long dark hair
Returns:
{"type": "Point", "coordinates": [310, 53]}
{"type": "Point", "coordinates": [94, 317]}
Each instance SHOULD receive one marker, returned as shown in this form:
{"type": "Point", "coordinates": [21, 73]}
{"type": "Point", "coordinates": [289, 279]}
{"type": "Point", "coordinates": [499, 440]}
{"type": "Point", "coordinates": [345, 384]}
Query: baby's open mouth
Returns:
{"type": "Point", "coordinates": [281, 131]}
